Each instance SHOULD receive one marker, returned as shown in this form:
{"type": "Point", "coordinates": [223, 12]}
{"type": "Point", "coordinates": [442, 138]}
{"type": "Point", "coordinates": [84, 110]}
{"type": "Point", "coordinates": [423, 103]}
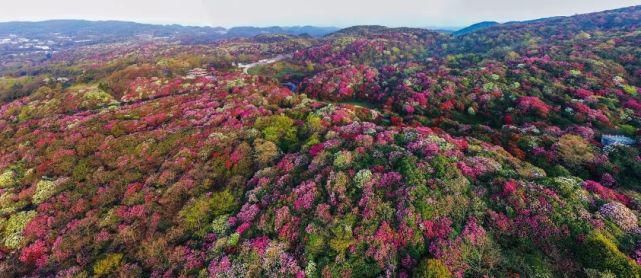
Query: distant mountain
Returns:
{"type": "Point", "coordinates": [248, 31]}
{"type": "Point", "coordinates": [367, 30]}
{"type": "Point", "coordinates": [112, 30]}
{"type": "Point", "coordinates": [360, 30]}
{"type": "Point", "coordinates": [624, 18]}
{"type": "Point", "coordinates": [475, 27]}
{"type": "Point", "coordinates": [516, 34]}
{"type": "Point", "coordinates": [444, 29]}
{"type": "Point", "coordinates": [103, 29]}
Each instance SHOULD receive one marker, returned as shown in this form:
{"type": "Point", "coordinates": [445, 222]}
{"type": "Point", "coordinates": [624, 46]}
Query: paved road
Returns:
{"type": "Point", "coordinates": [246, 67]}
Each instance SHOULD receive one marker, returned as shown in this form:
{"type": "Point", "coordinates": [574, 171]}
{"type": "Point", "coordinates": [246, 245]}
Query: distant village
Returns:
{"type": "Point", "coordinates": [17, 45]}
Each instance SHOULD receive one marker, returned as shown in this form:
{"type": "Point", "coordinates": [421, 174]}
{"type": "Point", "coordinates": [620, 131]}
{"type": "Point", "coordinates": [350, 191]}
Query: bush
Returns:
{"type": "Point", "coordinates": [593, 273]}
{"type": "Point", "coordinates": [315, 244]}
{"type": "Point", "coordinates": [200, 212]}
{"type": "Point", "coordinates": [7, 179]}
{"type": "Point", "coordinates": [574, 150]}
{"type": "Point", "coordinates": [279, 129]}
{"type": "Point", "coordinates": [628, 130]}
{"type": "Point", "coordinates": [13, 228]}
{"type": "Point", "coordinates": [220, 225]}
{"type": "Point", "coordinates": [625, 159]}
{"type": "Point", "coordinates": [343, 160]}
{"type": "Point", "coordinates": [412, 174]}
{"type": "Point", "coordinates": [44, 190]}
{"type": "Point", "coordinates": [342, 236]}
{"type": "Point", "coordinates": [432, 268]}
{"type": "Point", "coordinates": [630, 90]}
{"type": "Point", "coordinates": [362, 177]}
{"type": "Point", "coordinates": [107, 265]}
{"type": "Point", "coordinates": [535, 264]}
{"type": "Point", "coordinates": [265, 151]}
{"type": "Point", "coordinates": [314, 124]}
{"type": "Point", "coordinates": [442, 167]}
{"type": "Point", "coordinates": [600, 253]}
{"type": "Point", "coordinates": [620, 215]}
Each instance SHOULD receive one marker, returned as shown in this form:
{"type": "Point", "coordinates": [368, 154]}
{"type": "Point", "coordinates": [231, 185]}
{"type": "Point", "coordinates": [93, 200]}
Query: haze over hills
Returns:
{"type": "Point", "coordinates": [40, 39]}
{"type": "Point", "coordinates": [504, 150]}
{"type": "Point", "coordinates": [84, 28]}
{"type": "Point", "coordinates": [105, 30]}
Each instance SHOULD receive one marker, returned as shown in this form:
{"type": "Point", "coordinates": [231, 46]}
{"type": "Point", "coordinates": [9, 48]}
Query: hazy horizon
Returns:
{"type": "Point", "coordinates": [335, 13]}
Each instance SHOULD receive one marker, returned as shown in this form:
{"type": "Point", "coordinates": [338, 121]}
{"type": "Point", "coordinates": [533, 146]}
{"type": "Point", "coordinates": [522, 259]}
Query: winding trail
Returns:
{"type": "Point", "coordinates": [280, 57]}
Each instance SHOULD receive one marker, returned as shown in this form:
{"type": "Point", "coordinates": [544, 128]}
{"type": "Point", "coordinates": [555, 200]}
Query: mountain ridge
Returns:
{"type": "Point", "coordinates": [109, 27]}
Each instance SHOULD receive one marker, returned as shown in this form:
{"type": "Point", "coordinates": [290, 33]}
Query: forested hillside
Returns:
{"type": "Point", "coordinates": [510, 150]}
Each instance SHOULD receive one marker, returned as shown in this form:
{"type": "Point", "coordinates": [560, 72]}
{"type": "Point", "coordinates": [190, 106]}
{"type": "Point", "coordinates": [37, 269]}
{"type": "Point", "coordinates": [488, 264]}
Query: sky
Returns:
{"type": "Point", "coordinates": [339, 13]}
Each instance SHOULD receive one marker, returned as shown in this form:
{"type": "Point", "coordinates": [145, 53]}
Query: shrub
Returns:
{"type": "Point", "coordinates": [107, 265]}
{"type": "Point", "coordinates": [342, 237]}
{"type": "Point", "coordinates": [362, 177]}
{"type": "Point", "coordinates": [201, 211]}
{"type": "Point", "coordinates": [35, 254]}
{"type": "Point", "coordinates": [534, 264]}
{"type": "Point", "coordinates": [94, 97]}
{"type": "Point", "coordinates": [82, 170]}
{"type": "Point", "coordinates": [600, 253]}
{"type": "Point", "coordinates": [432, 268]}
{"type": "Point", "coordinates": [44, 190]}
{"type": "Point", "coordinates": [314, 123]}
{"type": "Point", "coordinates": [279, 129]}
{"type": "Point", "coordinates": [219, 225]}
{"type": "Point", "coordinates": [7, 179]}
{"type": "Point", "coordinates": [412, 174]}
{"type": "Point", "coordinates": [628, 130]}
{"type": "Point", "coordinates": [605, 193]}
{"type": "Point", "coordinates": [13, 228]}
{"type": "Point", "coordinates": [266, 151]}
{"type": "Point", "coordinates": [620, 215]}
{"type": "Point", "coordinates": [315, 244]}
{"type": "Point", "coordinates": [574, 150]}
{"type": "Point", "coordinates": [343, 159]}
{"type": "Point", "coordinates": [630, 90]}
{"type": "Point", "coordinates": [593, 273]}
{"type": "Point", "coordinates": [196, 213]}
{"type": "Point", "coordinates": [311, 270]}
{"type": "Point", "coordinates": [626, 159]}
{"type": "Point", "coordinates": [233, 239]}
{"type": "Point", "coordinates": [534, 104]}
{"type": "Point", "coordinates": [442, 167]}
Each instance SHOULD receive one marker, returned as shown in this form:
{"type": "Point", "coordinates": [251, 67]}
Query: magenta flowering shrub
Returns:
{"type": "Point", "coordinates": [344, 83]}
{"type": "Point", "coordinates": [605, 193]}
{"type": "Point", "coordinates": [305, 196]}
{"type": "Point", "coordinates": [534, 105]}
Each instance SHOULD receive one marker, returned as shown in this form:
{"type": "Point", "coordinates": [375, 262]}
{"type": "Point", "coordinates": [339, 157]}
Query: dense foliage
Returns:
{"type": "Point", "coordinates": [510, 150]}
